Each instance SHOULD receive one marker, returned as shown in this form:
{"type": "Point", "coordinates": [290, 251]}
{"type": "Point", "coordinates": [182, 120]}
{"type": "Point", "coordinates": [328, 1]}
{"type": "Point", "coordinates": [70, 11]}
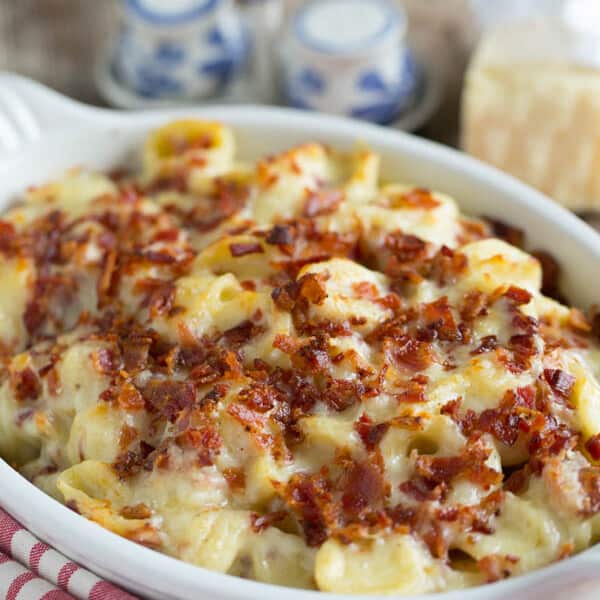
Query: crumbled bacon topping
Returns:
{"type": "Point", "coordinates": [592, 445]}
{"type": "Point", "coordinates": [322, 202]}
{"type": "Point", "coordinates": [25, 385]}
{"type": "Point", "coordinates": [561, 382]}
{"type": "Point", "coordinates": [243, 249]}
{"type": "Point", "coordinates": [370, 433]}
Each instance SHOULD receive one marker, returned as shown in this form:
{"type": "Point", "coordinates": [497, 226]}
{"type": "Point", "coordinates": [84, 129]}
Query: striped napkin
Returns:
{"type": "Point", "coordinates": [32, 570]}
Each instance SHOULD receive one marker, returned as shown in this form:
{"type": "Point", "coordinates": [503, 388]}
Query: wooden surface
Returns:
{"type": "Point", "coordinates": [57, 42]}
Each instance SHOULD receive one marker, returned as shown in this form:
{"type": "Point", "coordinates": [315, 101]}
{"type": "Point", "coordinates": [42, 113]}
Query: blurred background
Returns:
{"type": "Point", "coordinates": [514, 82]}
{"type": "Point", "coordinates": [58, 41]}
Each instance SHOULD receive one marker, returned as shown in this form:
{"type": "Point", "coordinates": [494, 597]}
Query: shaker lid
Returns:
{"type": "Point", "coordinates": [173, 12]}
{"type": "Point", "coordinates": [340, 27]}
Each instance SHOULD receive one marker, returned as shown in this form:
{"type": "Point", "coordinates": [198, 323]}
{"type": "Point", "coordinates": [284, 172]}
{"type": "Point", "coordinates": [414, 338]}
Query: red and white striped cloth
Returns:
{"type": "Point", "coordinates": [32, 570]}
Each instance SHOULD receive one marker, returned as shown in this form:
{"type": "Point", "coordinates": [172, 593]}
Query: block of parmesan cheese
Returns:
{"type": "Point", "coordinates": [531, 106]}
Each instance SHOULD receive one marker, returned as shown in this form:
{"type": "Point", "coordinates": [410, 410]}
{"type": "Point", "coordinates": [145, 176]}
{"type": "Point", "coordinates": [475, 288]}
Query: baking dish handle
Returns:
{"type": "Point", "coordinates": [29, 110]}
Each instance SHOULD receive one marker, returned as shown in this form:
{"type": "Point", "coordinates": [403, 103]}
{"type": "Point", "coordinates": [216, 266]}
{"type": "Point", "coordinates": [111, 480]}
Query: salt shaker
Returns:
{"type": "Point", "coordinates": [180, 49]}
{"type": "Point", "coordinates": [349, 57]}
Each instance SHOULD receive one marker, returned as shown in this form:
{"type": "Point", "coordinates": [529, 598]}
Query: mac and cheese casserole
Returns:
{"type": "Point", "coordinates": [292, 372]}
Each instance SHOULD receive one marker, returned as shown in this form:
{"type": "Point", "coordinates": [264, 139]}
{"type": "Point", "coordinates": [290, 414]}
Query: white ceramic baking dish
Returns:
{"type": "Point", "coordinates": [42, 134]}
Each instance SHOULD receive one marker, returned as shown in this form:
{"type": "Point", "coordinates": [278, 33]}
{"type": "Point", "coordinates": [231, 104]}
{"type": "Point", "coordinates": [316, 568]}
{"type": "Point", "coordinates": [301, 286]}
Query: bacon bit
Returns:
{"type": "Point", "coordinates": [130, 399]}
{"type": "Point", "coordinates": [475, 304]}
{"type": "Point", "coordinates": [159, 296]}
{"type": "Point", "coordinates": [107, 278]}
{"type": "Point", "coordinates": [366, 290]}
{"type": "Point", "coordinates": [236, 479]}
{"type": "Point", "coordinates": [508, 233]}
{"type": "Point", "coordinates": [341, 394]}
{"type": "Point", "coordinates": [553, 440]}
{"type": "Point", "coordinates": [168, 398]}
{"type": "Point", "coordinates": [25, 385]}
{"type": "Point", "coordinates": [311, 287]}
{"type": "Point", "coordinates": [261, 522]}
{"type": "Point", "coordinates": [242, 334]}
{"type": "Point", "coordinates": [419, 198]}
{"type": "Point", "coordinates": [259, 397]}
{"type": "Point", "coordinates": [593, 446]}
{"type": "Point", "coordinates": [590, 481]}
{"type": "Point", "coordinates": [408, 352]}
{"type": "Point", "coordinates": [364, 488]}
{"type": "Point", "coordinates": [206, 441]}
{"type": "Point", "coordinates": [8, 235]}
{"type": "Point", "coordinates": [369, 433]}
{"type": "Point", "coordinates": [243, 249]}
{"type": "Point", "coordinates": [409, 422]}
{"type": "Point", "coordinates": [36, 310]}
{"type": "Point", "coordinates": [504, 422]}
{"type": "Point", "coordinates": [137, 511]}
{"type": "Point", "coordinates": [283, 298]}
{"type": "Point", "coordinates": [298, 294]}
{"type": "Point", "coordinates": [496, 566]}
{"type": "Point", "coordinates": [127, 435]}
{"type": "Point", "coordinates": [446, 266]}
{"type": "Point", "coordinates": [106, 361]}
{"type": "Point", "coordinates": [561, 382]}
{"type": "Point", "coordinates": [452, 408]}
{"type": "Point", "coordinates": [523, 349]}
{"type": "Point", "coordinates": [518, 296]}
{"type": "Point", "coordinates": [469, 464]}
{"type": "Point", "coordinates": [131, 462]}
{"type": "Point", "coordinates": [135, 349]}
{"type": "Point", "coordinates": [487, 344]}
{"type": "Point", "coordinates": [310, 497]}
{"type": "Point", "coordinates": [422, 489]}
{"type": "Point", "coordinates": [408, 252]}
{"type": "Point", "coordinates": [252, 421]}
{"type": "Point", "coordinates": [280, 235]}
{"type": "Point", "coordinates": [525, 323]}
{"type": "Point", "coordinates": [322, 202]}
{"type": "Point", "coordinates": [167, 235]}
{"type": "Point", "coordinates": [248, 285]}
{"type": "Point", "coordinates": [166, 257]}
{"type": "Point", "coordinates": [440, 322]}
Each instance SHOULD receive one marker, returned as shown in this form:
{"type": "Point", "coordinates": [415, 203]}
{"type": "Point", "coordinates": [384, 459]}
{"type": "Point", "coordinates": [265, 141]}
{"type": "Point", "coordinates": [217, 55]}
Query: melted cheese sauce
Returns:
{"type": "Point", "coordinates": [289, 372]}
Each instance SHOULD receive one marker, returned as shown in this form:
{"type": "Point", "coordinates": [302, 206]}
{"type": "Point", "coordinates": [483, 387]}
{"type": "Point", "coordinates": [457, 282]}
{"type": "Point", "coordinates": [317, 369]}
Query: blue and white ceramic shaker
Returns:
{"type": "Point", "coordinates": [180, 49]}
{"type": "Point", "coordinates": [349, 57]}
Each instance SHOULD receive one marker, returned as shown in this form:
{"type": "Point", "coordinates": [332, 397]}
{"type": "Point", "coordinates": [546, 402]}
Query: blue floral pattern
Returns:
{"type": "Point", "coordinates": [153, 84]}
{"type": "Point", "coordinates": [311, 81]}
{"type": "Point", "coordinates": [175, 62]}
{"type": "Point", "coordinates": [170, 52]}
{"type": "Point", "coordinates": [388, 100]}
